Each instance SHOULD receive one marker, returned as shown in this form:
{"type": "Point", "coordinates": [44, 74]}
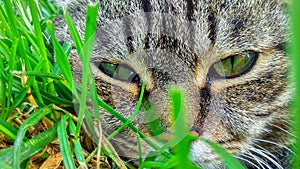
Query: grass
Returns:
{"type": "Point", "coordinates": [295, 53]}
{"type": "Point", "coordinates": [36, 95]}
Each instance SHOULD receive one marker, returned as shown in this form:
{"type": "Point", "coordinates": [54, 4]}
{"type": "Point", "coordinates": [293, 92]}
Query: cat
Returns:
{"type": "Point", "coordinates": [227, 56]}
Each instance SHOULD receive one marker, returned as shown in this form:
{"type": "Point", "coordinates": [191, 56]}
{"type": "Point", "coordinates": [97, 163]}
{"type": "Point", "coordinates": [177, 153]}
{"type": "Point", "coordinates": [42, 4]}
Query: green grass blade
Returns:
{"type": "Point", "coordinates": [73, 31]}
{"type": "Point", "coordinates": [182, 139]}
{"type": "Point", "coordinates": [79, 153]}
{"type": "Point", "coordinates": [22, 93]}
{"type": "Point", "coordinates": [5, 32]}
{"type": "Point", "coordinates": [37, 74]}
{"type": "Point", "coordinates": [64, 144]}
{"type": "Point", "coordinates": [2, 90]}
{"type": "Point", "coordinates": [40, 41]}
{"type": "Point", "coordinates": [85, 56]}
{"type": "Point", "coordinates": [12, 31]}
{"type": "Point", "coordinates": [152, 164]}
{"type": "Point", "coordinates": [11, 64]}
{"type": "Point", "coordinates": [137, 108]}
{"type": "Point", "coordinates": [8, 130]}
{"type": "Point", "coordinates": [4, 166]}
{"type": "Point", "coordinates": [295, 56]}
{"type": "Point", "coordinates": [32, 120]}
{"type": "Point", "coordinates": [91, 22]}
{"type": "Point", "coordinates": [140, 149]}
{"type": "Point", "coordinates": [132, 127]}
{"type": "Point", "coordinates": [67, 47]}
{"type": "Point", "coordinates": [55, 100]}
{"type": "Point", "coordinates": [63, 90]}
{"type": "Point", "coordinates": [30, 147]}
{"type": "Point", "coordinates": [38, 32]}
{"type": "Point", "coordinates": [77, 145]}
{"type": "Point", "coordinates": [61, 56]}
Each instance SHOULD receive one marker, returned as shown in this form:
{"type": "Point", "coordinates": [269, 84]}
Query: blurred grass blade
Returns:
{"type": "Point", "coordinates": [85, 56]}
{"type": "Point", "coordinates": [295, 56]}
{"type": "Point", "coordinates": [229, 161]}
{"type": "Point", "coordinates": [32, 120]}
{"type": "Point", "coordinates": [152, 164]}
{"type": "Point", "coordinates": [182, 139]}
{"type": "Point", "coordinates": [4, 166]}
{"type": "Point", "coordinates": [91, 22]}
{"type": "Point", "coordinates": [73, 31]}
{"type": "Point", "coordinates": [64, 144]}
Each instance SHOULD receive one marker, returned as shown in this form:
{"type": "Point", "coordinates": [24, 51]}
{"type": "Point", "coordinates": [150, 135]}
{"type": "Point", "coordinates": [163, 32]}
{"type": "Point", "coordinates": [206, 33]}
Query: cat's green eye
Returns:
{"type": "Point", "coordinates": [118, 71]}
{"type": "Point", "coordinates": [235, 65]}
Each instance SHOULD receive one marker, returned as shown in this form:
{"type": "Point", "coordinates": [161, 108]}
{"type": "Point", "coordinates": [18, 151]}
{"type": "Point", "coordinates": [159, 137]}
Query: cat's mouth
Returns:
{"type": "Point", "coordinates": [201, 154]}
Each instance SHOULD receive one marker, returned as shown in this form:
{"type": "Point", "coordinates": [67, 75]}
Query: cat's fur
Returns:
{"type": "Point", "coordinates": [176, 43]}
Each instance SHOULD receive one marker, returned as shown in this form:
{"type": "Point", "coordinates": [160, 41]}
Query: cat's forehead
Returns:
{"type": "Point", "coordinates": [202, 26]}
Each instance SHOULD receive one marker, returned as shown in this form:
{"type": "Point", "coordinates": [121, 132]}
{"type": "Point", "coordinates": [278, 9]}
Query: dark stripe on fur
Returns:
{"type": "Point", "coordinates": [212, 25]}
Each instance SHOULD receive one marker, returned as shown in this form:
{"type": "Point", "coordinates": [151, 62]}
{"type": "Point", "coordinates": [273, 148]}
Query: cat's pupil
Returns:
{"type": "Point", "coordinates": [235, 65]}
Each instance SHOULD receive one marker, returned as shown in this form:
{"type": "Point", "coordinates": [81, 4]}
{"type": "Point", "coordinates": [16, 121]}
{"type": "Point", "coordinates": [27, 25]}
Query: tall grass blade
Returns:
{"type": "Point", "coordinates": [60, 55]}
{"type": "Point", "coordinates": [32, 120]}
{"type": "Point", "coordinates": [30, 147]}
{"type": "Point", "coordinates": [12, 31]}
{"type": "Point", "coordinates": [73, 31]}
{"type": "Point", "coordinates": [8, 130]}
{"type": "Point", "coordinates": [295, 55]}
{"type": "Point", "coordinates": [79, 153]}
{"type": "Point", "coordinates": [64, 143]}
{"type": "Point", "coordinates": [181, 135]}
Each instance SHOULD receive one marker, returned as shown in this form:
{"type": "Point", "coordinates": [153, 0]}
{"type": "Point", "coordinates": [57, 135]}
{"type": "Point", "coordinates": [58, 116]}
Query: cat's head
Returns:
{"type": "Point", "coordinates": [227, 56]}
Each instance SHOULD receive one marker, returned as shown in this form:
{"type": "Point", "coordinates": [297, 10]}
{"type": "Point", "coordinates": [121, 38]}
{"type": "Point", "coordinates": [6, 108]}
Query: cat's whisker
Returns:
{"type": "Point", "coordinates": [246, 160]}
{"type": "Point", "coordinates": [255, 140]}
{"type": "Point", "coordinates": [266, 154]}
{"type": "Point", "coordinates": [259, 161]}
{"type": "Point", "coordinates": [284, 130]}
{"type": "Point", "coordinates": [265, 151]}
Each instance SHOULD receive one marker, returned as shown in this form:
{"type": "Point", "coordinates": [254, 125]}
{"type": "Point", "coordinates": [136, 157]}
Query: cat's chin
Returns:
{"type": "Point", "coordinates": [203, 156]}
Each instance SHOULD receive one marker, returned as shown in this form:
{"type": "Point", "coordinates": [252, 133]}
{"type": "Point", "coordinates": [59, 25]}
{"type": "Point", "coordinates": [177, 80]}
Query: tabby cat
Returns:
{"type": "Point", "coordinates": [227, 56]}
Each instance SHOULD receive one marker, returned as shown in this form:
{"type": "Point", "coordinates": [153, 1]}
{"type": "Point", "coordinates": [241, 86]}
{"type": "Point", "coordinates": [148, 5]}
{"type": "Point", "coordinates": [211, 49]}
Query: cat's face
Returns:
{"type": "Point", "coordinates": [226, 56]}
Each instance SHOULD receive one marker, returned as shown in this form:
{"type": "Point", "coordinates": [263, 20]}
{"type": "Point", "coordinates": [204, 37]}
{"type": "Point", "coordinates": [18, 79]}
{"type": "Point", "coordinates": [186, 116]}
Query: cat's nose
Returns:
{"type": "Point", "coordinates": [196, 131]}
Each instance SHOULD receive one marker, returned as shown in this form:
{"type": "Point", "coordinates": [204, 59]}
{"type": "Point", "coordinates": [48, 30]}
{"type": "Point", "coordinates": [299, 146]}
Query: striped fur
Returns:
{"type": "Point", "coordinates": [176, 43]}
